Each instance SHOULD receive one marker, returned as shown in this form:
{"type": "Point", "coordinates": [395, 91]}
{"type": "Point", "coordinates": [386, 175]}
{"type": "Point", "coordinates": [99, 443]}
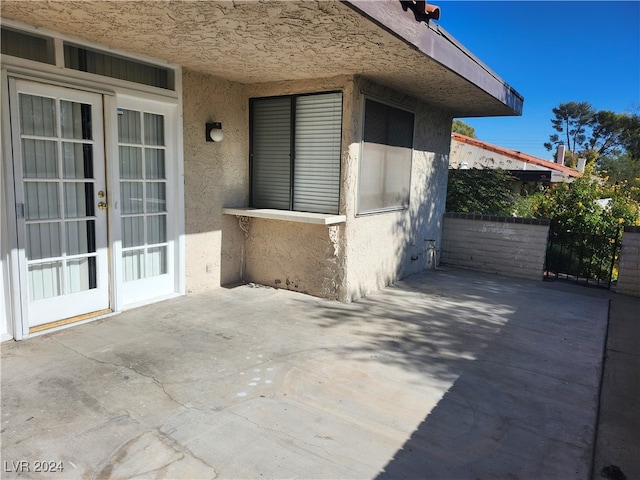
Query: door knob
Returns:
{"type": "Point", "coordinates": [102, 206]}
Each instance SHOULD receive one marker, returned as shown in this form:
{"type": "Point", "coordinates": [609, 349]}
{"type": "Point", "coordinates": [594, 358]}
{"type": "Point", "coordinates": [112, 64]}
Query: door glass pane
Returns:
{"type": "Point", "coordinates": [78, 200]}
{"type": "Point", "coordinates": [77, 160]}
{"type": "Point", "coordinates": [42, 200]}
{"type": "Point", "coordinates": [143, 187]}
{"type": "Point", "coordinates": [156, 229]}
{"type": "Point", "coordinates": [75, 120]}
{"type": "Point", "coordinates": [132, 231]}
{"type": "Point", "coordinates": [39, 158]}
{"type": "Point", "coordinates": [129, 126]}
{"type": "Point", "coordinates": [45, 280]}
{"type": "Point", "coordinates": [37, 116]}
{"type": "Point", "coordinates": [156, 261]}
{"type": "Point", "coordinates": [131, 197]}
{"type": "Point", "coordinates": [81, 237]}
{"type": "Point", "coordinates": [153, 129]}
{"type": "Point", "coordinates": [43, 241]}
{"type": "Point", "coordinates": [156, 197]}
{"type": "Point", "coordinates": [130, 162]}
{"type": "Point", "coordinates": [81, 274]}
{"type": "Point", "coordinates": [154, 163]}
{"type": "Point", "coordinates": [132, 265]}
{"type": "Point", "coordinates": [57, 172]}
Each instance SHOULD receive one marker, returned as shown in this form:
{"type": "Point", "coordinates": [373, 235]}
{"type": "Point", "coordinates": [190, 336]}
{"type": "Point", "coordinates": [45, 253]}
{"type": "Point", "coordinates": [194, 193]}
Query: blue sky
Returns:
{"type": "Point", "coordinates": [551, 53]}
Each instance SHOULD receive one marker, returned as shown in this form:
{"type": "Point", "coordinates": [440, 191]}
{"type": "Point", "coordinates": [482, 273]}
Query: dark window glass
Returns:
{"type": "Point", "coordinates": [25, 45]}
{"type": "Point", "coordinates": [114, 66]}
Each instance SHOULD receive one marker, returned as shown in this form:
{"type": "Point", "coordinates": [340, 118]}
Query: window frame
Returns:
{"type": "Point", "coordinates": [376, 211]}
{"type": "Point", "coordinates": [292, 150]}
{"type": "Point", "coordinates": [59, 73]}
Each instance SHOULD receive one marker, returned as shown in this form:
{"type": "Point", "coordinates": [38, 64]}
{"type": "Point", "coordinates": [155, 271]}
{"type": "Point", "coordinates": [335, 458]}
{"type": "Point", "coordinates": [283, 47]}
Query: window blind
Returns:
{"type": "Point", "coordinates": [296, 150]}
{"type": "Point", "coordinates": [25, 45]}
{"type": "Point", "coordinates": [317, 153]}
{"type": "Point", "coordinates": [385, 169]}
{"type": "Point", "coordinates": [271, 144]}
{"type": "Point", "coordinates": [114, 66]}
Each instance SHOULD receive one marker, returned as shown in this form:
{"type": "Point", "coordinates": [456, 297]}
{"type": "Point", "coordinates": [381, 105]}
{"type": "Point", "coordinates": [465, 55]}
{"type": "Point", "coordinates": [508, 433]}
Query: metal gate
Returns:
{"type": "Point", "coordinates": [586, 258]}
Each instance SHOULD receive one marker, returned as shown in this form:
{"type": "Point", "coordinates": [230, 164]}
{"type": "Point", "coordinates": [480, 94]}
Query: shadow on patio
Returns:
{"type": "Point", "coordinates": [448, 374]}
{"type": "Point", "coordinates": [521, 363]}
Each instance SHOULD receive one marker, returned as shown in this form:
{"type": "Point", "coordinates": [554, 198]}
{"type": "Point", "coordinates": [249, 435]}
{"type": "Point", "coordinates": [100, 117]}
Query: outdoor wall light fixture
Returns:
{"type": "Point", "coordinates": [213, 132]}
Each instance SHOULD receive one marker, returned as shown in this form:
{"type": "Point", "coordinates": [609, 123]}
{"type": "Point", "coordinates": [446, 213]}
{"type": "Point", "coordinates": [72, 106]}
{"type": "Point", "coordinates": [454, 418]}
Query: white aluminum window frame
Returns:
{"type": "Point", "coordinates": [293, 148]}
{"type": "Point", "coordinates": [69, 77]}
{"type": "Point", "coordinates": [361, 166]}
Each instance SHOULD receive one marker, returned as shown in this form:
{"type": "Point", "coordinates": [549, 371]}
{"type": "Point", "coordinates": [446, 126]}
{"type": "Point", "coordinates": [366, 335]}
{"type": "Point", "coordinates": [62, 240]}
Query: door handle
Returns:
{"type": "Point", "coordinates": [102, 205]}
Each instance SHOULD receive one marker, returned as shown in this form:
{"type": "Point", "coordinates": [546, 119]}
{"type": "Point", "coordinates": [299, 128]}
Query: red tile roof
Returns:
{"type": "Point", "coordinates": [523, 157]}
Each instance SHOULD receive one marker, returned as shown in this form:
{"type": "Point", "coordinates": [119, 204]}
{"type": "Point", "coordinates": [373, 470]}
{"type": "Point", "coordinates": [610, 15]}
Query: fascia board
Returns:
{"type": "Point", "coordinates": [435, 43]}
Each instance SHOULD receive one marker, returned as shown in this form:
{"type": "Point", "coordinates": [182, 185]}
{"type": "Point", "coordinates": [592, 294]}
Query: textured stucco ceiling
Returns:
{"type": "Point", "coordinates": [253, 42]}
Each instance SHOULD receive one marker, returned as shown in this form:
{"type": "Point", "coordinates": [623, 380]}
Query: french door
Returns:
{"type": "Point", "coordinates": [93, 235]}
{"type": "Point", "coordinates": [61, 204]}
{"type": "Point", "coordinates": [144, 216]}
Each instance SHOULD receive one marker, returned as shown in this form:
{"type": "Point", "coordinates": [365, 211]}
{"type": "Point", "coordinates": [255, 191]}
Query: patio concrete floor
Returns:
{"type": "Point", "coordinates": [446, 375]}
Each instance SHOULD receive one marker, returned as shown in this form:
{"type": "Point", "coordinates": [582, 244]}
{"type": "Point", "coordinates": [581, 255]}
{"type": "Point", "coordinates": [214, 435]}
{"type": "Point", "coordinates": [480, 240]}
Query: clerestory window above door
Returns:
{"type": "Point", "coordinates": [295, 152]}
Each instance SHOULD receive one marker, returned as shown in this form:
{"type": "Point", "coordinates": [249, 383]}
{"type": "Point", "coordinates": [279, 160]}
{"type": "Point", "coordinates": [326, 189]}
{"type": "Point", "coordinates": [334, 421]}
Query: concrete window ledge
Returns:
{"type": "Point", "coordinates": [286, 215]}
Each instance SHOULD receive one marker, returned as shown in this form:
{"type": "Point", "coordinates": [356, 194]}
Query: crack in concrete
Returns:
{"type": "Point", "coordinates": [537, 372]}
{"type": "Point", "coordinates": [633, 354]}
{"type": "Point", "coordinates": [120, 452]}
{"type": "Point", "coordinates": [158, 430]}
{"type": "Point", "coordinates": [300, 440]}
{"type": "Point", "coordinates": [149, 376]}
{"type": "Point", "coordinates": [292, 437]}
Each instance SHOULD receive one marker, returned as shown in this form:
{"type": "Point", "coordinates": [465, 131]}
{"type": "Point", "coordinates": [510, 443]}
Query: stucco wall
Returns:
{"type": "Point", "coordinates": [298, 256]}
{"type": "Point", "coordinates": [629, 269]}
{"type": "Point", "coordinates": [384, 247]}
{"type": "Point", "coordinates": [295, 256]}
{"type": "Point", "coordinates": [344, 262]}
{"type": "Point", "coordinates": [216, 175]}
{"type": "Point", "coordinates": [508, 246]}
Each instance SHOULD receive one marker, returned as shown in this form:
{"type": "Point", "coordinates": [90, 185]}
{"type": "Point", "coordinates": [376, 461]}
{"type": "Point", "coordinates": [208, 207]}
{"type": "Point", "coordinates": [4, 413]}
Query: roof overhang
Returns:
{"type": "Point", "coordinates": [273, 41]}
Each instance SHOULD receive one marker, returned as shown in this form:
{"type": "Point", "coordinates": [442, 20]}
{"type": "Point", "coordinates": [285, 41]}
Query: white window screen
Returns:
{"type": "Point", "coordinates": [385, 168]}
{"type": "Point", "coordinates": [296, 146]}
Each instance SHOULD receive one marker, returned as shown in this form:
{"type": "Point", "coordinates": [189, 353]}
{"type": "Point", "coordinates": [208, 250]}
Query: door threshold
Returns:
{"type": "Point", "coordinates": [66, 321]}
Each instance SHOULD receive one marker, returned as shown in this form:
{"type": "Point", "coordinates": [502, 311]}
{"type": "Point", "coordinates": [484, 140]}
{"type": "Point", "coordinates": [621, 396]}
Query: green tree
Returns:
{"type": "Point", "coordinates": [622, 171]}
{"type": "Point", "coordinates": [621, 165]}
{"type": "Point", "coordinates": [605, 138]}
{"type": "Point", "coordinates": [607, 133]}
{"type": "Point", "coordinates": [572, 121]}
{"type": "Point", "coordinates": [576, 207]}
{"type": "Point", "coordinates": [631, 134]}
{"type": "Point", "coordinates": [480, 191]}
{"type": "Point", "coordinates": [463, 128]}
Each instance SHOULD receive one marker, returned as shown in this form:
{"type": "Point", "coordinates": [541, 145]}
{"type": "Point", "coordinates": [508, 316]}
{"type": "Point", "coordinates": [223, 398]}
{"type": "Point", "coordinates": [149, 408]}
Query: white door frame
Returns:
{"type": "Point", "coordinates": [154, 289]}
{"type": "Point", "coordinates": [86, 302]}
{"type": "Point", "coordinates": [17, 324]}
